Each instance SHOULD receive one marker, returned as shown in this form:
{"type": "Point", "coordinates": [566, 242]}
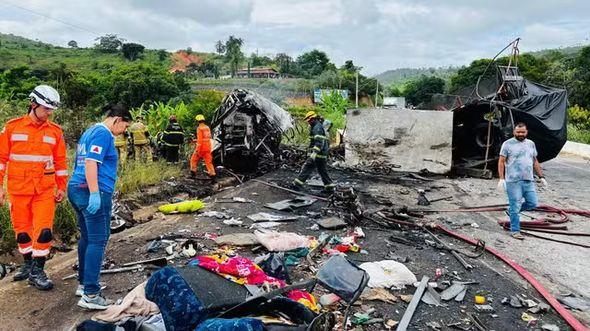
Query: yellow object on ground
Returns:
{"type": "Point", "coordinates": [182, 207]}
{"type": "Point", "coordinates": [480, 300]}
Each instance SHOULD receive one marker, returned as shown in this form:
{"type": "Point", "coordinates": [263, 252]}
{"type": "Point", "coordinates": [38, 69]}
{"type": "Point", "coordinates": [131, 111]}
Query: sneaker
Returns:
{"type": "Point", "coordinates": [517, 235]}
{"type": "Point", "coordinates": [98, 302]}
{"type": "Point", "coordinates": [24, 271]}
{"type": "Point", "coordinates": [80, 289]}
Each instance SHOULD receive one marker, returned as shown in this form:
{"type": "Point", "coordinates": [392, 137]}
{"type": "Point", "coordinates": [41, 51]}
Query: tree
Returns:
{"type": "Point", "coordinates": [313, 63]}
{"type": "Point", "coordinates": [259, 61]}
{"type": "Point", "coordinates": [284, 62]}
{"type": "Point", "coordinates": [162, 55]}
{"type": "Point", "coordinates": [109, 43]}
{"type": "Point", "coordinates": [73, 44]}
{"type": "Point", "coordinates": [350, 67]}
{"type": "Point", "coordinates": [394, 91]}
{"type": "Point", "coordinates": [233, 53]}
{"type": "Point", "coordinates": [132, 51]}
{"type": "Point", "coordinates": [467, 76]}
{"type": "Point", "coordinates": [581, 90]}
{"type": "Point", "coordinates": [220, 47]}
{"type": "Point", "coordinates": [421, 90]}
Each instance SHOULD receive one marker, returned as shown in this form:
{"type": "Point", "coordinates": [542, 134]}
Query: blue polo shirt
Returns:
{"type": "Point", "coordinates": [98, 144]}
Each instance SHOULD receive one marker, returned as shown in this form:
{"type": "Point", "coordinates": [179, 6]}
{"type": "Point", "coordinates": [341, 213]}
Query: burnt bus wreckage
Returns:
{"type": "Point", "coordinates": [247, 127]}
{"type": "Point", "coordinates": [499, 101]}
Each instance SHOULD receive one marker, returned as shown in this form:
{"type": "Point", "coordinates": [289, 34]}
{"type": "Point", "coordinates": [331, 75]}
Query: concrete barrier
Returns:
{"type": "Point", "coordinates": [578, 149]}
{"type": "Point", "coordinates": [411, 139]}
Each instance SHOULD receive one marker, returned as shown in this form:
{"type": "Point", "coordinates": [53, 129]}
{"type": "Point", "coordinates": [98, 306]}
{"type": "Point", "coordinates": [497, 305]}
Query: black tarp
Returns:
{"type": "Point", "coordinates": [543, 109]}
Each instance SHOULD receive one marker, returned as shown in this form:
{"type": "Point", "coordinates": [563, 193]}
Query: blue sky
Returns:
{"type": "Point", "coordinates": [376, 34]}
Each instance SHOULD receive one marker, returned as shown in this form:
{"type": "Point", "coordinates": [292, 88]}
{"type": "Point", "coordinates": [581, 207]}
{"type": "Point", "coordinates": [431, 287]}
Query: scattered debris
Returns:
{"type": "Point", "coordinates": [232, 221]}
{"type": "Point", "coordinates": [291, 204]}
{"type": "Point", "coordinates": [182, 207]}
{"type": "Point", "coordinates": [379, 294]}
{"type": "Point", "coordinates": [264, 217]}
{"type": "Point", "coordinates": [574, 302]}
{"type": "Point", "coordinates": [388, 273]}
{"type": "Point", "coordinates": [281, 241]}
{"type": "Point", "coordinates": [216, 214]}
{"type": "Point", "coordinates": [484, 308]}
{"type": "Point", "coordinates": [331, 223]}
{"type": "Point", "coordinates": [452, 292]}
{"type": "Point", "coordinates": [237, 239]}
{"type": "Point", "coordinates": [409, 313]}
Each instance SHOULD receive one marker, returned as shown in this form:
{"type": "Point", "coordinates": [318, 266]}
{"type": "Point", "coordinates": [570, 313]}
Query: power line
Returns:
{"type": "Point", "coordinates": [52, 18]}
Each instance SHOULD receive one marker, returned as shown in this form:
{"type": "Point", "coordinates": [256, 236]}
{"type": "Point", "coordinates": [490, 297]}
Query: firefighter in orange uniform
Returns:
{"type": "Point", "coordinates": [203, 148]}
{"type": "Point", "coordinates": [33, 154]}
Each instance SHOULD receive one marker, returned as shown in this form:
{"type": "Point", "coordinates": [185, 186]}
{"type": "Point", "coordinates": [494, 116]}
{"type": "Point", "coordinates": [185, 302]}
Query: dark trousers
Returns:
{"type": "Point", "coordinates": [171, 153]}
{"type": "Point", "coordinates": [310, 164]}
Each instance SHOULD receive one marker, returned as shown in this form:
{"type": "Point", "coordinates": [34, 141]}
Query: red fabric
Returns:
{"type": "Point", "coordinates": [239, 267]}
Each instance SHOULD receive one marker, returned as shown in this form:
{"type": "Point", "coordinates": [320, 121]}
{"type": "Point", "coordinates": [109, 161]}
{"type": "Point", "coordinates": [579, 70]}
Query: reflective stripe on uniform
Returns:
{"type": "Point", "coordinates": [19, 137]}
{"type": "Point", "coordinates": [320, 156]}
{"type": "Point", "coordinates": [318, 136]}
{"type": "Point", "coordinates": [30, 158]}
{"type": "Point", "coordinates": [316, 148]}
{"type": "Point", "coordinates": [40, 252]}
{"type": "Point", "coordinates": [61, 173]}
{"type": "Point", "coordinates": [298, 182]}
{"type": "Point", "coordinates": [25, 250]}
{"type": "Point", "coordinates": [49, 140]}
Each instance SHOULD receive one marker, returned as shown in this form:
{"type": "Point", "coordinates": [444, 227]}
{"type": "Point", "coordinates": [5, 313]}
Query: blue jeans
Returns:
{"type": "Point", "coordinates": [516, 191]}
{"type": "Point", "coordinates": [95, 230]}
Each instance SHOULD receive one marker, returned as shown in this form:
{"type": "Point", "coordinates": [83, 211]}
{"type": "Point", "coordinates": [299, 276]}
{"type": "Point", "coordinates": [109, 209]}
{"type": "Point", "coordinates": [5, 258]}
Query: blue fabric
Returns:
{"type": "Point", "coordinates": [235, 324]}
{"type": "Point", "coordinates": [97, 143]}
{"type": "Point", "coordinates": [93, 202]}
{"type": "Point", "coordinates": [95, 230]}
{"type": "Point", "coordinates": [180, 308]}
{"type": "Point", "coordinates": [520, 157]}
{"type": "Point", "coordinates": [516, 191]}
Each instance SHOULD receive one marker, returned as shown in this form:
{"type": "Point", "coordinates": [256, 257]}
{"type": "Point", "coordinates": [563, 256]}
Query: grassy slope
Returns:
{"type": "Point", "coordinates": [16, 51]}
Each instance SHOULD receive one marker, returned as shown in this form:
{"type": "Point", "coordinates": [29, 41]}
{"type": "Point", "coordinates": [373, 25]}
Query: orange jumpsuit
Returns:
{"type": "Point", "coordinates": [203, 150]}
{"type": "Point", "coordinates": [34, 157]}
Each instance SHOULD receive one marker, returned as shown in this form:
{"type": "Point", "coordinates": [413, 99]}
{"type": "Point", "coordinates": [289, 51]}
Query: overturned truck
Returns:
{"type": "Point", "coordinates": [247, 127]}
{"type": "Point", "coordinates": [482, 124]}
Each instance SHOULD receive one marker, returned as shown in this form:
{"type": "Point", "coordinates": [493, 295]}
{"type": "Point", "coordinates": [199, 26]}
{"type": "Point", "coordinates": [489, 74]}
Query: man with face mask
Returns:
{"type": "Point", "coordinates": [518, 159]}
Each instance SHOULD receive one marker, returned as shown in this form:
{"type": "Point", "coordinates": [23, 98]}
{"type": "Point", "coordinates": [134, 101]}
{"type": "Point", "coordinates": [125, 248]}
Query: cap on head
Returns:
{"type": "Point", "coordinates": [310, 114]}
{"type": "Point", "coordinates": [172, 118]}
{"type": "Point", "coordinates": [200, 118]}
{"type": "Point", "coordinates": [46, 96]}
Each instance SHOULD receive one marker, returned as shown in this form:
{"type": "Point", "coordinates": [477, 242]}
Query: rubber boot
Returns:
{"type": "Point", "coordinates": [24, 271]}
{"type": "Point", "coordinates": [38, 278]}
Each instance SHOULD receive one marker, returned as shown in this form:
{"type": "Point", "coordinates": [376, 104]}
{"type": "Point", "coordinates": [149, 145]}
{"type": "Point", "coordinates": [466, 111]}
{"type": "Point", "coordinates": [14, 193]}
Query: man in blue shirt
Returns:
{"type": "Point", "coordinates": [90, 191]}
{"type": "Point", "coordinates": [518, 158]}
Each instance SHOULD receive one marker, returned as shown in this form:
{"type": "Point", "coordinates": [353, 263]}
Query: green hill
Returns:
{"type": "Point", "coordinates": [17, 51]}
{"type": "Point", "coordinates": [402, 75]}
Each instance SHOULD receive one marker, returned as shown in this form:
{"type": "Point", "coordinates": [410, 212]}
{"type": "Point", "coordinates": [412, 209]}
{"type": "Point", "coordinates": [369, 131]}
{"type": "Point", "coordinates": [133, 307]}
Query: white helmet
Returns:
{"type": "Point", "coordinates": [45, 95]}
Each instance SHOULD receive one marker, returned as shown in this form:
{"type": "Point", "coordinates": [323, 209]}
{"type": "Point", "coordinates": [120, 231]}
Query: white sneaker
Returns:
{"type": "Point", "coordinates": [80, 289]}
{"type": "Point", "coordinates": [97, 302]}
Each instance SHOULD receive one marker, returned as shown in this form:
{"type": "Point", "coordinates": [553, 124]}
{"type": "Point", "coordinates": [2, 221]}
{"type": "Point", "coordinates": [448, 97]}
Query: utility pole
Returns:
{"type": "Point", "coordinates": [377, 95]}
{"type": "Point", "coordinates": [356, 95]}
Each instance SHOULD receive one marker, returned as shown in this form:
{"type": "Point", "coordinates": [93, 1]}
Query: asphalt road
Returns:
{"type": "Point", "coordinates": [559, 267]}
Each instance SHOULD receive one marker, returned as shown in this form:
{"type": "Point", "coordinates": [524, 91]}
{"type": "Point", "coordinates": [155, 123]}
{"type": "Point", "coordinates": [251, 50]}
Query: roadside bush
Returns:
{"type": "Point", "coordinates": [579, 117]}
{"type": "Point", "coordinates": [185, 108]}
{"type": "Point", "coordinates": [577, 135]}
{"type": "Point", "coordinates": [136, 174]}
